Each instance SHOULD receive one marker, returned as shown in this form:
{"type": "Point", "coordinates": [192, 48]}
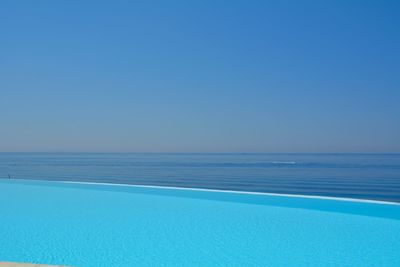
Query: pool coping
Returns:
{"type": "Point", "coordinates": [365, 207]}
{"type": "Point", "coordinates": [357, 200]}
{"type": "Point", "coordinates": [16, 264]}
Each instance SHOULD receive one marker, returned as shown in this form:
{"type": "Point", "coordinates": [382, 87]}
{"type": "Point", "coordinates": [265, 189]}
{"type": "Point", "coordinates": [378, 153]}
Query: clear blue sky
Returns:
{"type": "Point", "coordinates": [200, 76]}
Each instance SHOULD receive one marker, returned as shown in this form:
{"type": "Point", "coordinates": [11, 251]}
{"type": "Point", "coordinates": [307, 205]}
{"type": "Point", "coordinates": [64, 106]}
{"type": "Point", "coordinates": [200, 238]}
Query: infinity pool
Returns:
{"type": "Point", "coordinates": [113, 225]}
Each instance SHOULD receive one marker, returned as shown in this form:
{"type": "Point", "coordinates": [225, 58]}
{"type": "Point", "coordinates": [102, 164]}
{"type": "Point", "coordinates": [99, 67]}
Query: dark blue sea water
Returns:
{"type": "Point", "coordinates": [365, 176]}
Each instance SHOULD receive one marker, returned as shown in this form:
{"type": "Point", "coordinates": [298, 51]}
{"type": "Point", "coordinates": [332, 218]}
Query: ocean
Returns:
{"type": "Point", "coordinates": [362, 176]}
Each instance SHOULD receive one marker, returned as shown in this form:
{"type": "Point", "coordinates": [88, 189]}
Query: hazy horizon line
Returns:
{"type": "Point", "coordinates": [188, 152]}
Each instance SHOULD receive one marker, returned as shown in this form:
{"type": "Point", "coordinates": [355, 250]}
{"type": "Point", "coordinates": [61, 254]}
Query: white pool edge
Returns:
{"type": "Point", "coordinates": [240, 192]}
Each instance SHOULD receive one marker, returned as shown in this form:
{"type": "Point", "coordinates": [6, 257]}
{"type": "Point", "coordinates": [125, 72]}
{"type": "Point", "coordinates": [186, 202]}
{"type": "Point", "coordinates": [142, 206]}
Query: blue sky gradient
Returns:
{"type": "Point", "coordinates": [200, 76]}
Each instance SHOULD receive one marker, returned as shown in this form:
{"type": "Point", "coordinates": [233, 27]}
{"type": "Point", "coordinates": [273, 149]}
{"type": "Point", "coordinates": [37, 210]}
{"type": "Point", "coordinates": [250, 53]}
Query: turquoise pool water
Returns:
{"type": "Point", "coordinates": [110, 225]}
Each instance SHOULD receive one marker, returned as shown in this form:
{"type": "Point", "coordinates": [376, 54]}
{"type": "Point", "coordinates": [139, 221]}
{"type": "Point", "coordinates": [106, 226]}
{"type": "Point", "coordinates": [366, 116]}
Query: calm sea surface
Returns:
{"type": "Point", "coordinates": [366, 176]}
